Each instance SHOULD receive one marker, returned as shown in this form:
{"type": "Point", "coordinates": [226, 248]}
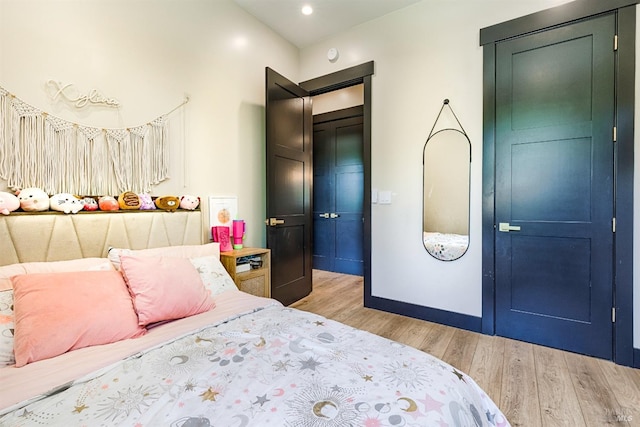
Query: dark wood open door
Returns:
{"type": "Point", "coordinates": [289, 128]}
{"type": "Point", "coordinates": [555, 115]}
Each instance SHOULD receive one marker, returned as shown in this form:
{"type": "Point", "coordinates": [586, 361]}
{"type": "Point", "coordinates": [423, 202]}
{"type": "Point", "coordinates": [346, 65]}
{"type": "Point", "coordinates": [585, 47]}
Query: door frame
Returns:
{"type": "Point", "coordinates": [623, 351]}
{"type": "Point", "coordinates": [359, 74]}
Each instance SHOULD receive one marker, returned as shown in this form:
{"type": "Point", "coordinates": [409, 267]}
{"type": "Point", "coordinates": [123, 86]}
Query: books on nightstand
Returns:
{"type": "Point", "coordinates": [247, 263]}
{"type": "Point", "coordinates": [241, 268]}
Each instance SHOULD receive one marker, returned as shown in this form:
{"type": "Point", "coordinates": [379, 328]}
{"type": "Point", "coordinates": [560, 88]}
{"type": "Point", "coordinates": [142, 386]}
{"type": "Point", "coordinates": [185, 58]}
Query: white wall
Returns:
{"type": "Point", "coordinates": [338, 99]}
{"type": "Point", "coordinates": [423, 54]}
{"type": "Point", "coordinates": [148, 54]}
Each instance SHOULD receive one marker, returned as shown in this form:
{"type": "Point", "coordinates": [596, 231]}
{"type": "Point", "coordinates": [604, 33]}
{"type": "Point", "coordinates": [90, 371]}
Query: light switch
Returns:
{"type": "Point", "coordinates": [384, 197]}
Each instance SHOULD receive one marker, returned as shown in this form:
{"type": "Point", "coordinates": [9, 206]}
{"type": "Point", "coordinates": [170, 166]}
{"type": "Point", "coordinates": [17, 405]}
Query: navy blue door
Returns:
{"type": "Point", "coordinates": [554, 187]}
{"type": "Point", "coordinates": [338, 186]}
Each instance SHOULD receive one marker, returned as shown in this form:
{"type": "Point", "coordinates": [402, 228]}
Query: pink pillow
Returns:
{"type": "Point", "coordinates": [164, 288]}
{"type": "Point", "coordinates": [58, 312]}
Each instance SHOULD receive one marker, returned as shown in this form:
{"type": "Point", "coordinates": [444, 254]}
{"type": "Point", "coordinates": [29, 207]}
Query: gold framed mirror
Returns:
{"type": "Point", "coordinates": [446, 186]}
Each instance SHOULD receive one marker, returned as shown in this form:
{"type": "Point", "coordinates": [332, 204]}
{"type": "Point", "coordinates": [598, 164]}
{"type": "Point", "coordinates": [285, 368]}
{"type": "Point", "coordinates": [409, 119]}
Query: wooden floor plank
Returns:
{"type": "Point", "coordinates": [625, 384]}
{"type": "Point", "coordinates": [559, 404]}
{"type": "Point", "coordinates": [519, 397]}
{"type": "Point", "coordinates": [486, 367]}
{"type": "Point", "coordinates": [411, 331]}
{"type": "Point", "coordinates": [437, 341]}
{"type": "Point", "coordinates": [326, 287]}
{"type": "Point", "coordinates": [532, 385]}
{"type": "Point", "coordinates": [592, 389]}
{"type": "Point", "coordinates": [460, 351]}
{"type": "Point", "coordinates": [369, 319]}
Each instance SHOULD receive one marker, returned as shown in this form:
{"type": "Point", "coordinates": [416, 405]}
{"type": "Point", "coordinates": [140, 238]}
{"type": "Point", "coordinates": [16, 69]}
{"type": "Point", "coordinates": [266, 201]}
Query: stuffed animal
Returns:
{"type": "Point", "coordinates": [90, 204]}
{"type": "Point", "coordinates": [108, 203]}
{"type": "Point", "coordinates": [65, 202]}
{"type": "Point", "coordinates": [146, 203]}
{"type": "Point", "coordinates": [167, 203]}
{"type": "Point", "coordinates": [189, 202]}
{"type": "Point", "coordinates": [33, 199]}
{"type": "Point", "coordinates": [129, 200]}
{"type": "Point", "coordinates": [8, 203]}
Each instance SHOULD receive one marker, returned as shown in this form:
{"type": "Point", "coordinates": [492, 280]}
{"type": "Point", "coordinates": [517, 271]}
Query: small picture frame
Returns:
{"type": "Point", "coordinates": [222, 212]}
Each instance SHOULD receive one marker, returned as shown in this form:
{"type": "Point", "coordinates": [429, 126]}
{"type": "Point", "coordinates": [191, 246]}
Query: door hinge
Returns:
{"type": "Point", "coordinates": [613, 315]}
{"type": "Point", "coordinates": [613, 224]}
{"type": "Point", "coordinates": [615, 134]}
{"type": "Point", "coordinates": [615, 43]}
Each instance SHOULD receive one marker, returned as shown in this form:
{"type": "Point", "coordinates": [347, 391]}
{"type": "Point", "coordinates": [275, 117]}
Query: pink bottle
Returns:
{"type": "Point", "coordinates": [238, 233]}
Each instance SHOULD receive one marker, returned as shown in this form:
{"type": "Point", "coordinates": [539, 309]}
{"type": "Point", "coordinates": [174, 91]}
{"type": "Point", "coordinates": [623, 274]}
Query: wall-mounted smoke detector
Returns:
{"type": "Point", "coordinates": [333, 54]}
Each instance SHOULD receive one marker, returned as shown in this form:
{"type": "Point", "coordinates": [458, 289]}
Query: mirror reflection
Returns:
{"type": "Point", "coordinates": [447, 164]}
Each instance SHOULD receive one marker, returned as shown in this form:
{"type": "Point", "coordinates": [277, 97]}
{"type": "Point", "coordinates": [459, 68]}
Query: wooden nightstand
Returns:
{"type": "Point", "coordinates": [255, 281]}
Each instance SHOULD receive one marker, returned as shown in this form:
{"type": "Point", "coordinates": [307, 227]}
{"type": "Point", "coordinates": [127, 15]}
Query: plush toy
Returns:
{"type": "Point", "coordinates": [108, 203]}
{"type": "Point", "coordinates": [90, 204]}
{"type": "Point", "coordinates": [33, 199]}
{"type": "Point", "coordinates": [8, 203]}
{"type": "Point", "coordinates": [65, 202]}
{"type": "Point", "coordinates": [167, 203]}
{"type": "Point", "coordinates": [189, 202]}
{"type": "Point", "coordinates": [129, 200]}
{"type": "Point", "coordinates": [146, 203]}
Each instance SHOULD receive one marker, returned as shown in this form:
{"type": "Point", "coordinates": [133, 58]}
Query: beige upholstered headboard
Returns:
{"type": "Point", "coordinates": [53, 236]}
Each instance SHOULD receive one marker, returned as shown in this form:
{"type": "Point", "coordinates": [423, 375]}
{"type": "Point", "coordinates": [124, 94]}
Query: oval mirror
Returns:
{"type": "Point", "coordinates": [447, 165]}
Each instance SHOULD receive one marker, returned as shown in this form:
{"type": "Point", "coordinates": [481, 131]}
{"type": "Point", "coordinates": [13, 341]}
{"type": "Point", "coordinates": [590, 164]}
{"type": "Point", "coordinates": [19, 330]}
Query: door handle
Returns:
{"type": "Point", "coordinates": [272, 222]}
{"type": "Point", "coordinates": [334, 215]}
{"type": "Point", "coordinates": [505, 227]}
{"type": "Point", "coordinates": [324, 215]}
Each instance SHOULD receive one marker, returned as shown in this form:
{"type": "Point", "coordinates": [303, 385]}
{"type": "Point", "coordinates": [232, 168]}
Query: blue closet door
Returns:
{"type": "Point", "coordinates": [554, 187]}
{"type": "Point", "coordinates": [338, 189]}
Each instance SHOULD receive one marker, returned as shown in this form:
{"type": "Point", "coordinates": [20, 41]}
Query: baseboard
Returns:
{"type": "Point", "coordinates": [449, 318]}
{"type": "Point", "coordinates": [636, 357]}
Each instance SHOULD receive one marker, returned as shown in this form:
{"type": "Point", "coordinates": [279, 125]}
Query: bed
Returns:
{"type": "Point", "coordinates": [226, 359]}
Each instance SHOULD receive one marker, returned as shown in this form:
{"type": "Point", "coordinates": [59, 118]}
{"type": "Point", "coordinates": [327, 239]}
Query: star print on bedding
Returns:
{"type": "Point", "coordinates": [275, 366]}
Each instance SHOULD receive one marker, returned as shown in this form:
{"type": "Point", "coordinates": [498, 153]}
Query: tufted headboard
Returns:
{"type": "Point", "coordinates": [53, 236]}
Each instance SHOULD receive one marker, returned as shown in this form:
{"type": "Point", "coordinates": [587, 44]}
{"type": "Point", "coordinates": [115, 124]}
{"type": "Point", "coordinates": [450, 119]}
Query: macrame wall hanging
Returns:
{"type": "Point", "coordinates": [40, 150]}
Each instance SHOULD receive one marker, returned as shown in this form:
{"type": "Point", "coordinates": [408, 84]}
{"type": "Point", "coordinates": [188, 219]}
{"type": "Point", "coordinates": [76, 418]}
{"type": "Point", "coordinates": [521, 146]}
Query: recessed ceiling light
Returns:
{"type": "Point", "coordinates": [307, 10]}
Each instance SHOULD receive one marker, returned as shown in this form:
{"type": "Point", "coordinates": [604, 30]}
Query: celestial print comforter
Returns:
{"type": "Point", "coordinates": [276, 366]}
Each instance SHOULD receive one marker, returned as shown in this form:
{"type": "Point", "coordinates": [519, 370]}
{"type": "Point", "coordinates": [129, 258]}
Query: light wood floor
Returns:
{"type": "Point", "coordinates": [532, 385]}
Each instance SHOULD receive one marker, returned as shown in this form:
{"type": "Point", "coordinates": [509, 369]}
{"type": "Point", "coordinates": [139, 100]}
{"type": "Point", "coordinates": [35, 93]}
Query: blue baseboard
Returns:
{"type": "Point", "coordinates": [636, 357]}
{"type": "Point", "coordinates": [449, 318]}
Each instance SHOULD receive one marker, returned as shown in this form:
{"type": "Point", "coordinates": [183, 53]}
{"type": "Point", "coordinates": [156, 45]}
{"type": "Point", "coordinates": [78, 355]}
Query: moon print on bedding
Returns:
{"type": "Point", "coordinates": [275, 366]}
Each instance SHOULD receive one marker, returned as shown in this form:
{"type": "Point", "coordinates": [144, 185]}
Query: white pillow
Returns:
{"type": "Point", "coordinates": [184, 251]}
{"type": "Point", "coordinates": [6, 328]}
{"type": "Point", "coordinates": [213, 274]}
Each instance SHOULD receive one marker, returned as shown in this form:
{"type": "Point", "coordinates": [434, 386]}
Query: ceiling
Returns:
{"type": "Point", "coordinates": [329, 16]}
